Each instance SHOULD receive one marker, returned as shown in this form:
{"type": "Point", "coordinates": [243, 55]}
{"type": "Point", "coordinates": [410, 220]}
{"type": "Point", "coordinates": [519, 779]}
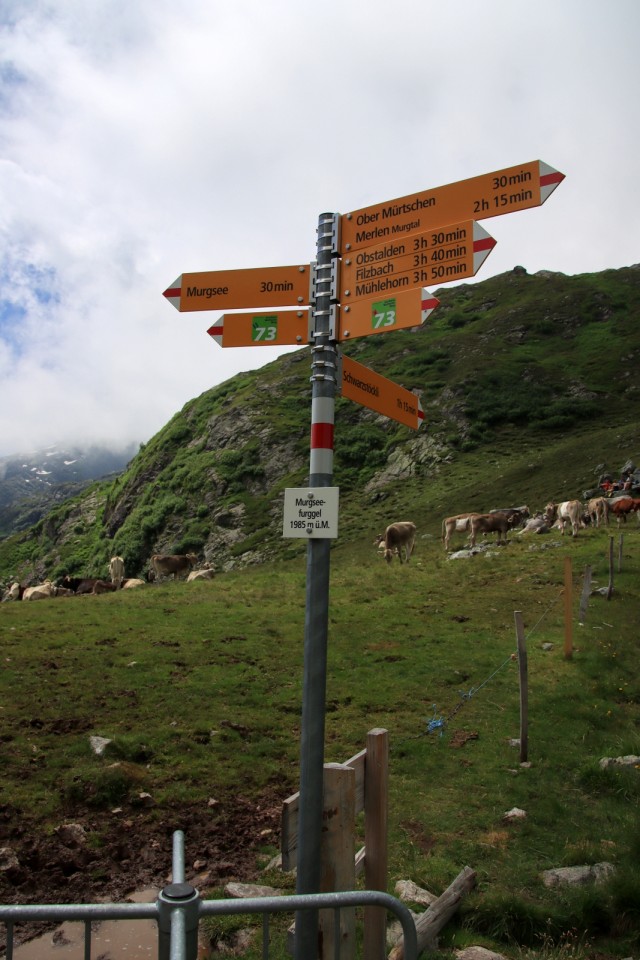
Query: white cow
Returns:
{"type": "Point", "coordinates": [116, 570]}
{"type": "Point", "coordinates": [42, 591]}
{"type": "Point", "coordinates": [204, 574]}
{"type": "Point", "coordinates": [461, 523]}
{"type": "Point", "coordinates": [568, 511]}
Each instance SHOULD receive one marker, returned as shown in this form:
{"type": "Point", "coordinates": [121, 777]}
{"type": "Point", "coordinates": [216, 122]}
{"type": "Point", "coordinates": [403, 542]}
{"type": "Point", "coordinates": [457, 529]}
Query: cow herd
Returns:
{"type": "Point", "coordinates": [160, 566]}
{"type": "Point", "coordinates": [398, 540]}
{"type": "Point", "coordinates": [400, 536]}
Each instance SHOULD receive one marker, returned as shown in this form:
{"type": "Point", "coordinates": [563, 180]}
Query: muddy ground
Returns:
{"type": "Point", "coordinates": [116, 853]}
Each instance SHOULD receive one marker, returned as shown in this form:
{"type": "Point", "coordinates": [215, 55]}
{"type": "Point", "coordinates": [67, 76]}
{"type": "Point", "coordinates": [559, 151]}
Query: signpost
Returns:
{"type": "Point", "coordinates": [286, 327]}
{"type": "Point", "coordinates": [406, 309]}
{"type": "Point", "coordinates": [492, 194]}
{"type": "Point", "coordinates": [239, 289]}
{"type": "Point", "coordinates": [361, 384]}
{"type": "Point", "coordinates": [436, 256]}
{"type": "Point", "coordinates": [389, 252]}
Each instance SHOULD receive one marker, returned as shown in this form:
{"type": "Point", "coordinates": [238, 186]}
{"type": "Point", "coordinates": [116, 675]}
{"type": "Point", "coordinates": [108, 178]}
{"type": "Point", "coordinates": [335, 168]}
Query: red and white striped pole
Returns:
{"type": "Point", "coordinates": [324, 384]}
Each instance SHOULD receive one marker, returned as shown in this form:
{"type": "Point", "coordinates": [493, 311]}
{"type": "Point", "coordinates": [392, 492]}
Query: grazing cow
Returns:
{"type": "Point", "coordinates": [458, 524]}
{"type": "Point", "coordinates": [624, 505]}
{"type": "Point", "coordinates": [42, 591]}
{"type": "Point", "coordinates": [568, 510]}
{"type": "Point", "coordinates": [517, 515]}
{"type": "Point", "coordinates": [116, 570]}
{"type": "Point", "coordinates": [165, 564]}
{"type": "Point", "coordinates": [79, 585]}
{"type": "Point", "coordinates": [490, 523]}
{"type": "Point", "coordinates": [206, 574]}
{"type": "Point", "coordinates": [598, 510]}
{"type": "Point", "coordinates": [396, 537]}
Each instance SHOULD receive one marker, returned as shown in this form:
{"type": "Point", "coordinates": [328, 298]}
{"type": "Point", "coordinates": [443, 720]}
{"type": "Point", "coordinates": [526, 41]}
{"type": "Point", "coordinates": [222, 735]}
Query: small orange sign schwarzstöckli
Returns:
{"type": "Point", "coordinates": [374, 391]}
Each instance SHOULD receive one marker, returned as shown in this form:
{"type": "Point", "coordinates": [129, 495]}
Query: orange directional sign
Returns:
{"type": "Point", "coordinates": [261, 329]}
{"type": "Point", "coordinates": [489, 195]}
{"type": "Point", "coordinates": [377, 393]}
{"type": "Point", "coordinates": [398, 311]}
{"type": "Point", "coordinates": [436, 256]}
{"type": "Point", "coordinates": [238, 289]}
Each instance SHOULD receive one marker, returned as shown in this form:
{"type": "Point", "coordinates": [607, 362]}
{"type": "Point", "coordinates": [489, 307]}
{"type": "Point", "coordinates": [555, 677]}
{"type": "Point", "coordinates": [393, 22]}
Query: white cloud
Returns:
{"type": "Point", "coordinates": [140, 141]}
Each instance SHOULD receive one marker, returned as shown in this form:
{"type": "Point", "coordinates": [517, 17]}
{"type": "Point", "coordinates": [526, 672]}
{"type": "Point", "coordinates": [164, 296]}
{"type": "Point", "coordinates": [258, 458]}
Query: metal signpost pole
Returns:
{"type": "Point", "coordinates": [323, 378]}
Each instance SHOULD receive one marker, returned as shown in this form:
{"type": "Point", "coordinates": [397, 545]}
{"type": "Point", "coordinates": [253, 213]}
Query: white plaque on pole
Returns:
{"type": "Point", "coordinates": [311, 512]}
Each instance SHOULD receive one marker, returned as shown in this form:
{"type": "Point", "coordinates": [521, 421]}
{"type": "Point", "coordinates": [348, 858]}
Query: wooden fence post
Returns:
{"type": "Point", "coordinates": [620, 545]}
{"type": "Point", "coordinates": [376, 808]}
{"type": "Point", "coordinates": [568, 609]}
{"type": "Point", "coordinates": [337, 860]}
{"type": "Point", "coordinates": [610, 587]}
{"type": "Point", "coordinates": [586, 592]}
{"type": "Point", "coordinates": [523, 672]}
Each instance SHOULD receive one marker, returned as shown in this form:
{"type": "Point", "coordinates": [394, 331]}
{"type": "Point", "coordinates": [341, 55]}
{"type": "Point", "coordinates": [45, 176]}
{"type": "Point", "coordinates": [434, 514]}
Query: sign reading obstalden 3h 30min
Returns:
{"type": "Point", "coordinates": [439, 255]}
{"type": "Point", "coordinates": [489, 195]}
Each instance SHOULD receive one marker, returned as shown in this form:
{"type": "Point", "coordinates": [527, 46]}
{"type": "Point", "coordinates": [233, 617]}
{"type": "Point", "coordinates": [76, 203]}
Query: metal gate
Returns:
{"type": "Point", "coordinates": [179, 908]}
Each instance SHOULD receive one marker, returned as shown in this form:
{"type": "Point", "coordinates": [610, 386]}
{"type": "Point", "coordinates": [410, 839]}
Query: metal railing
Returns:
{"type": "Point", "coordinates": [179, 909]}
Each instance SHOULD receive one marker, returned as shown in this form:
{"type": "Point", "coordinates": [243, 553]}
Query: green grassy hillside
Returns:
{"type": "Point", "coordinates": [529, 385]}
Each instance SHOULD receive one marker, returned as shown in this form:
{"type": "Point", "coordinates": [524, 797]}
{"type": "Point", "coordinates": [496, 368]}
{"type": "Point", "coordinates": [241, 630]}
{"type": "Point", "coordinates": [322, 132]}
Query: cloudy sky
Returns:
{"type": "Point", "coordinates": [143, 139]}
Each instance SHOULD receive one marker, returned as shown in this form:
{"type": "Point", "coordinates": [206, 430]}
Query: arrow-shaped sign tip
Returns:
{"type": "Point", "coordinates": [173, 292]}
{"type": "Point", "coordinates": [549, 180]}
{"type": "Point", "coordinates": [216, 331]}
{"type": "Point", "coordinates": [427, 304]}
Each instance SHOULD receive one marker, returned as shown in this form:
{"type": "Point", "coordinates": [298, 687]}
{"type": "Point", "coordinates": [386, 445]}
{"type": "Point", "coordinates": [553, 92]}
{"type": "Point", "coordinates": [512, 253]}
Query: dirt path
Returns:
{"type": "Point", "coordinates": [127, 850]}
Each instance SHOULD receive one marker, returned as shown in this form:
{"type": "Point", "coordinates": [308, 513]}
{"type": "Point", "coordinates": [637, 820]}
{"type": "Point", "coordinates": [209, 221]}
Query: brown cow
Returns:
{"type": "Point", "coordinates": [79, 585]}
{"type": "Point", "coordinates": [396, 537]}
{"type": "Point", "coordinates": [598, 509]}
{"type": "Point", "coordinates": [166, 564]}
{"type": "Point", "coordinates": [490, 523]}
{"type": "Point", "coordinates": [105, 586]}
{"type": "Point", "coordinates": [624, 505]}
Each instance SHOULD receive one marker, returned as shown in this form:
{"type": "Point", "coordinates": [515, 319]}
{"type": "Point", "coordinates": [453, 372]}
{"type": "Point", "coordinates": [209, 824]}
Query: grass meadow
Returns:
{"type": "Point", "coordinates": [199, 687]}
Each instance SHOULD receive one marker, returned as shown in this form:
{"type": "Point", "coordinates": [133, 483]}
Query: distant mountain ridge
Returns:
{"type": "Point", "coordinates": [31, 483]}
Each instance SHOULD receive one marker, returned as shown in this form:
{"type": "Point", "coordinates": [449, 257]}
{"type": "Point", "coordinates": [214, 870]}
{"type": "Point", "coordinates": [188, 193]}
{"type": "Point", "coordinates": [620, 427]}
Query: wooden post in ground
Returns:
{"type": "Point", "coordinates": [568, 609]}
{"type": "Point", "coordinates": [620, 545]}
{"type": "Point", "coordinates": [337, 860]}
{"type": "Point", "coordinates": [586, 593]}
{"type": "Point", "coordinates": [610, 587]}
{"type": "Point", "coordinates": [376, 807]}
{"type": "Point", "coordinates": [524, 687]}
